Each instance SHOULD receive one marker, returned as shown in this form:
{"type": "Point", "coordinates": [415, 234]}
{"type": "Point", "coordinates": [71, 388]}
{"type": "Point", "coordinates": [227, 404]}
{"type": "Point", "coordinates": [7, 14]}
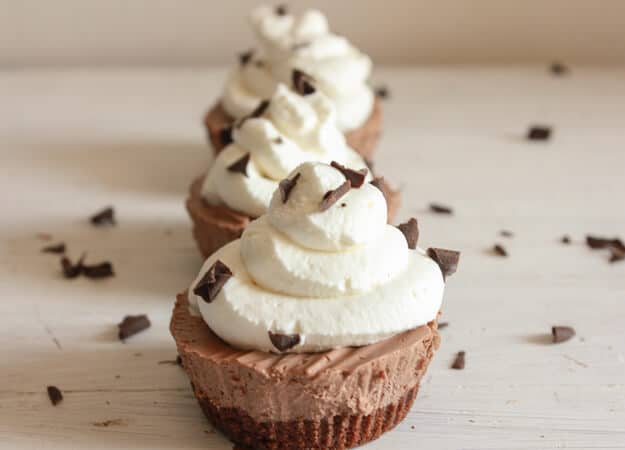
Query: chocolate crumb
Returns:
{"type": "Point", "coordinates": [132, 325]}
{"type": "Point", "coordinates": [286, 186]}
{"type": "Point", "coordinates": [558, 69]}
{"type": "Point", "coordinates": [355, 177]}
{"type": "Point", "coordinates": [240, 165]}
{"type": "Point", "coordinates": [281, 10]}
{"type": "Point", "coordinates": [331, 197]}
{"type": "Point", "coordinates": [225, 135]}
{"type": "Point", "coordinates": [499, 250]}
{"type": "Point", "coordinates": [108, 423]}
{"type": "Point", "coordinates": [539, 133]}
{"type": "Point", "coordinates": [382, 92]}
{"type": "Point", "coordinates": [71, 270]}
{"type": "Point", "coordinates": [562, 334]}
{"type": "Point", "coordinates": [458, 363]}
{"type": "Point", "coordinates": [55, 395]}
{"type": "Point", "coordinates": [565, 239]}
{"type": "Point", "coordinates": [104, 217]}
{"type": "Point", "coordinates": [213, 280]}
{"type": "Point", "coordinates": [246, 57]}
{"type": "Point", "coordinates": [442, 325]}
{"type": "Point", "coordinates": [506, 233]}
{"type": "Point", "coordinates": [303, 83]}
{"type": "Point", "coordinates": [56, 248]}
{"type": "Point", "coordinates": [440, 209]}
{"type": "Point", "coordinates": [284, 341]}
{"type": "Point", "coordinates": [447, 260]}
{"type": "Point", "coordinates": [410, 230]}
{"type": "Point", "coordinates": [379, 183]}
{"type": "Point", "coordinates": [100, 270]}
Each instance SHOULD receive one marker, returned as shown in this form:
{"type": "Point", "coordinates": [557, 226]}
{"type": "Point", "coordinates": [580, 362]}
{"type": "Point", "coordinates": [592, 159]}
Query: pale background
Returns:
{"type": "Point", "coordinates": [201, 32]}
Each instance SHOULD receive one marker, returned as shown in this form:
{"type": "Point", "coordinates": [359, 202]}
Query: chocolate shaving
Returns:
{"type": "Point", "coordinates": [132, 325]}
{"type": "Point", "coordinates": [440, 209]}
{"type": "Point", "coordinates": [286, 186]}
{"type": "Point", "coordinates": [331, 197]}
{"type": "Point", "coordinates": [379, 183]}
{"type": "Point", "coordinates": [458, 363]}
{"type": "Point", "coordinates": [55, 395]}
{"type": "Point", "coordinates": [562, 334]}
{"type": "Point", "coordinates": [565, 239]}
{"type": "Point", "coordinates": [281, 10]}
{"type": "Point", "coordinates": [410, 230]}
{"type": "Point", "coordinates": [499, 250]}
{"type": "Point", "coordinates": [225, 135]}
{"type": "Point", "coordinates": [442, 325]}
{"type": "Point", "coordinates": [447, 260]}
{"type": "Point", "coordinates": [104, 217]}
{"type": "Point", "coordinates": [56, 248]}
{"type": "Point", "coordinates": [539, 133]}
{"type": "Point", "coordinates": [382, 92]}
{"type": "Point", "coordinates": [557, 68]}
{"type": "Point", "coordinates": [246, 57]}
{"type": "Point", "coordinates": [303, 83]}
{"type": "Point", "coordinates": [100, 270]}
{"type": "Point", "coordinates": [284, 341]}
{"type": "Point", "coordinates": [506, 233]}
{"type": "Point", "coordinates": [71, 270]}
{"type": "Point", "coordinates": [596, 242]}
{"type": "Point", "coordinates": [240, 165]}
{"type": "Point", "coordinates": [213, 280]}
{"type": "Point", "coordinates": [355, 177]}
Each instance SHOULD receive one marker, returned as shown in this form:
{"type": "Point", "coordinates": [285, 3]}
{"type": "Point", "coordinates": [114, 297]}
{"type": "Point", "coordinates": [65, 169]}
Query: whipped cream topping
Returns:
{"type": "Point", "coordinates": [304, 42]}
{"type": "Point", "coordinates": [292, 129]}
{"type": "Point", "coordinates": [334, 278]}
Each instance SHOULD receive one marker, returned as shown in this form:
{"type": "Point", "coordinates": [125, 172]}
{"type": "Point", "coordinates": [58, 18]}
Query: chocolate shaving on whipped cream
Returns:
{"type": "Point", "coordinates": [410, 230]}
{"type": "Point", "coordinates": [240, 165]}
{"type": "Point", "coordinates": [246, 57]}
{"type": "Point", "coordinates": [331, 197]}
{"type": "Point", "coordinates": [303, 83]}
{"type": "Point", "coordinates": [213, 280]}
{"type": "Point", "coordinates": [355, 177]}
{"type": "Point", "coordinates": [225, 135]}
{"type": "Point", "coordinates": [284, 342]}
{"type": "Point", "coordinates": [286, 186]}
{"type": "Point", "coordinates": [447, 260]}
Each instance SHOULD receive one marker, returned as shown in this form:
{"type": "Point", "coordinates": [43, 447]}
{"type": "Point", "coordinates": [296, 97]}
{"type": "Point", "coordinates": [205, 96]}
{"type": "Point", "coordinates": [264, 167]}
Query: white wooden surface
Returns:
{"type": "Point", "coordinates": [72, 142]}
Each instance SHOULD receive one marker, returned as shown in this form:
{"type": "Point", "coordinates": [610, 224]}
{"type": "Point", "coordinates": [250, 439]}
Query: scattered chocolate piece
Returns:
{"type": "Point", "coordinates": [355, 177]}
{"type": "Point", "coordinates": [286, 186]}
{"type": "Point", "coordinates": [225, 135]}
{"type": "Point", "coordinates": [278, 140]}
{"type": "Point", "coordinates": [410, 230]}
{"type": "Point", "coordinates": [281, 10]}
{"type": "Point", "coordinates": [562, 334]}
{"type": "Point", "coordinates": [303, 83]}
{"type": "Point", "coordinates": [246, 57]}
{"type": "Point", "coordinates": [71, 270]}
{"type": "Point", "coordinates": [331, 197]}
{"type": "Point", "coordinates": [132, 325]}
{"type": "Point", "coordinates": [596, 242]}
{"type": "Point", "coordinates": [104, 217]}
{"type": "Point", "coordinates": [458, 363]}
{"type": "Point", "coordinates": [382, 92]}
{"type": "Point", "coordinates": [212, 281]}
{"type": "Point", "coordinates": [565, 239]}
{"type": "Point", "coordinates": [284, 341]}
{"type": "Point", "coordinates": [499, 250]}
{"type": "Point", "coordinates": [506, 233]}
{"type": "Point", "coordinates": [240, 165]}
{"type": "Point", "coordinates": [379, 183]}
{"type": "Point", "coordinates": [55, 395]}
{"type": "Point", "coordinates": [442, 325]}
{"type": "Point", "coordinates": [108, 423]}
{"type": "Point", "coordinates": [100, 270]}
{"type": "Point", "coordinates": [447, 260]}
{"type": "Point", "coordinates": [56, 248]}
{"type": "Point", "coordinates": [617, 254]}
{"type": "Point", "coordinates": [557, 68]}
{"type": "Point", "coordinates": [440, 209]}
{"type": "Point", "coordinates": [539, 133]}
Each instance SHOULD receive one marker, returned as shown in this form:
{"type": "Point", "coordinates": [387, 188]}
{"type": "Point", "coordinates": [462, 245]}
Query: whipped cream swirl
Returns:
{"type": "Point", "coordinates": [304, 42]}
{"type": "Point", "coordinates": [333, 278]}
{"type": "Point", "coordinates": [292, 129]}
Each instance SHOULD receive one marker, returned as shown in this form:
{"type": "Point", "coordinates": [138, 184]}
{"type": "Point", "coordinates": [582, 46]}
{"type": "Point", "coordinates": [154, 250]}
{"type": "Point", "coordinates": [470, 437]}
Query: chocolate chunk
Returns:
{"type": "Point", "coordinates": [382, 92]}
{"type": "Point", "coordinates": [284, 341]}
{"type": "Point", "coordinates": [331, 197]}
{"type": "Point", "coordinates": [281, 10]}
{"type": "Point", "coordinates": [458, 363]}
{"type": "Point", "coordinates": [56, 248]}
{"type": "Point", "coordinates": [539, 133]}
{"type": "Point", "coordinates": [213, 280]}
{"type": "Point", "coordinates": [132, 325]}
{"type": "Point", "coordinates": [565, 239]}
{"type": "Point", "coordinates": [55, 395]}
{"type": "Point", "coordinates": [355, 177]}
{"type": "Point", "coordinates": [562, 334]}
{"type": "Point", "coordinates": [440, 209]}
{"type": "Point", "coordinates": [104, 217]}
{"type": "Point", "coordinates": [225, 136]}
{"type": "Point", "coordinates": [240, 165]}
{"type": "Point", "coordinates": [447, 260]}
{"type": "Point", "coordinates": [286, 186]}
{"type": "Point", "coordinates": [100, 270]}
{"type": "Point", "coordinates": [246, 57]}
{"type": "Point", "coordinates": [303, 83]}
{"type": "Point", "coordinates": [71, 270]}
{"type": "Point", "coordinates": [410, 230]}
{"type": "Point", "coordinates": [506, 233]}
{"type": "Point", "coordinates": [499, 250]}
{"type": "Point", "coordinates": [558, 68]}
{"type": "Point", "coordinates": [442, 325]}
{"type": "Point", "coordinates": [379, 183]}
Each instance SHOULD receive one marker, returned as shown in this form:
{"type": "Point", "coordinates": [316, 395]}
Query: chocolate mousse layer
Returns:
{"type": "Point", "coordinates": [363, 139]}
{"type": "Point", "coordinates": [334, 399]}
